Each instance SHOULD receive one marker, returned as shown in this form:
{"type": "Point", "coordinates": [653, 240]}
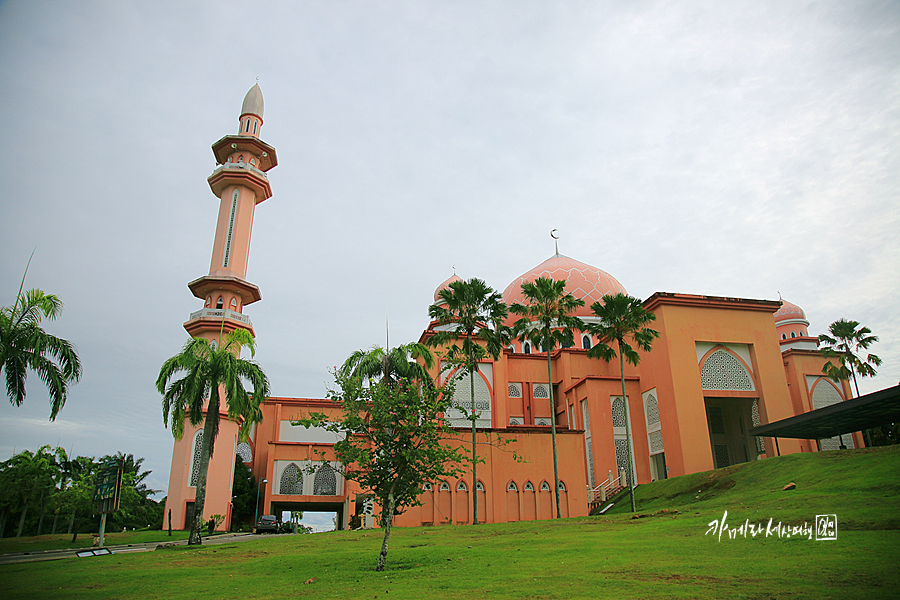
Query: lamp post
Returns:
{"type": "Point", "coordinates": [256, 516]}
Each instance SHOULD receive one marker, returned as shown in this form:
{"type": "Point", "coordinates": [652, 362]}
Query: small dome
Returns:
{"type": "Point", "coordinates": [444, 286]}
{"type": "Point", "coordinates": [789, 310]}
{"type": "Point", "coordinates": [253, 102]}
{"type": "Point", "coordinates": [582, 281]}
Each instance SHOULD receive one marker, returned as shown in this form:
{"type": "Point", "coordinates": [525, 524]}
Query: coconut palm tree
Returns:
{"type": "Point", "coordinates": [209, 372]}
{"type": "Point", "coordinates": [845, 345]}
{"type": "Point", "coordinates": [622, 316]}
{"type": "Point", "coordinates": [470, 312]}
{"type": "Point", "coordinates": [391, 365]}
{"type": "Point", "coordinates": [25, 345]}
{"type": "Point", "coordinates": [547, 321]}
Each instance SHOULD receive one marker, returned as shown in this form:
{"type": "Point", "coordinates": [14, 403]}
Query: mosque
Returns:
{"type": "Point", "coordinates": [719, 367]}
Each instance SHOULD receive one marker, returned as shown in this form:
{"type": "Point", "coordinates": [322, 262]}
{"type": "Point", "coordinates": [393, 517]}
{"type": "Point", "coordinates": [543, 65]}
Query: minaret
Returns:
{"type": "Point", "coordinates": [240, 182]}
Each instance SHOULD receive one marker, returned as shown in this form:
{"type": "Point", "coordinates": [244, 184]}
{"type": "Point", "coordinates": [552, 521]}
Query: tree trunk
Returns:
{"type": "Point", "coordinates": [22, 520]}
{"type": "Point", "coordinates": [43, 510]}
{"type": "Point", "coordinates": [553, 425]}
{"type": "Point", "coordinates": [205, 451]}
{"type": "Point", "coordinates": [71, 523]}
{"type": "Point", "coordinates": [55, 519]}
{"type": "Point", "coordinates": [627, 430]}
{"type": "Point", "coordinates": [3, 514]}
{"type": "Point", "coordinates": [474, 455]}
{"type": "Point", "coordinates": [387, 521]}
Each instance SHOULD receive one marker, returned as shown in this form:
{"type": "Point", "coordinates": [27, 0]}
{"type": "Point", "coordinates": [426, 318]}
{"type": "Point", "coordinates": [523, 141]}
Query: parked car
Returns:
{"type": "Point", "coordinates": [267, 523]}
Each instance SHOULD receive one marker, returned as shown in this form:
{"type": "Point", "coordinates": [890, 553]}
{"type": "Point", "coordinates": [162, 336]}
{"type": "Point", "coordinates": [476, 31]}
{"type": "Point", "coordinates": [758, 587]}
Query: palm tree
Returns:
{"type": "Point", "coordinates": [621, 316]}
{"type": "Point", "coordinates": [25, 345]}
{"type": "Point", "coordinates": [209, 372]}
{"type": "Point", "coordinates": [845, 344]}
{"type": "Point", "coordinates": [378, 364]}
{"type": "Point", "coordinates": [468, 310]}
{"type": "Point", "coordinates": [547, 321]}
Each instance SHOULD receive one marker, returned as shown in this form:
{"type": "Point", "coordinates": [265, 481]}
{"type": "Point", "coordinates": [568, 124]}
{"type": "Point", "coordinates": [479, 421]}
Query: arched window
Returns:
{"type": "Point", "coordinates": [229, 159]}
{"type": "Point", "coordinates": [325, 483]}
{"type": "Point", "coordinates": [511, 487]}
{"type": "Point", "coordinates": [529, 487]}
{"type": "Point", "coordinates": [479, 487]}
{"type": "Point", "coordinates": [586, 342]}
{"type": "Point", "coordinates": [234, 304]}
{"type": "Point", "coordinates": [526, 348]}
{"type": "Point", "coordinates": [220, 303]}
{"type": "Point", "coordinates": [545, 487]}
{"type": "Point", "coordinates": [426, 487]}
{"type": "Point", "coordinates": [461, 486]}
{"type": "Point", "coordinates": [723, 371]}
{"type": "Point", "coordinates": [445, 487]}
{"type": "Point", "coordinates": [793, 334]}
{"type": "Point", "coordinates": [291, 481]}
{"type": "Point", "coordinates": [512, 347]}
{"type": "Point", "coordinates": [253, 161]}
{"type": "Point", "coordinates": [784, 336]}
{"type": "Point", "coordinates": [247, 128]}
{"type": "Point", "coordinates": [562, 486]}
{"type": "Point", "coordinates": [208, 301]}
{"type": "Point", "coordinates": [241, 158]}
{"type": "Point", "coordinates": [195, 460]}
{"type": "Point", "coordinates": [254, 127]}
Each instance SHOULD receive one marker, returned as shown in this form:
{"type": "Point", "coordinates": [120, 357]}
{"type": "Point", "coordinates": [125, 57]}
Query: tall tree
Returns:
{"type": "Point", "coordinates": [25, 345]}
{"type": "Point", "coordinates": [547, 321]}
{"type": "Point", "coordinates": [473, 313]}
{"type": "Point", "coordinates": [622, 317]}
{"type": "Point", "coordinates": [846, 345]}
{"type": "Point", "coordinates": [393, 442]}
{"type": "Point", "coordinates": [209, 372]}
{"type": "Point", "coordinates": [393, 364]}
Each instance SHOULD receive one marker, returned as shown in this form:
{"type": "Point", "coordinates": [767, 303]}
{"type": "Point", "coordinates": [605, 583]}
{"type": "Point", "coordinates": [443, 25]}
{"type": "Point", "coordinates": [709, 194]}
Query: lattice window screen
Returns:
{"type": "Point", "coordinates": [511, 487]}
{"type": "Point", "coordinates": [652, 410]}
{"type": "Point", "coordinates": [621, 454]}
{"type": "Point", "coordinates": [716, 421]}
{"type": "Point", "coordinates": [656, 442]}
{"type": "Point", "coordinates": [245, 452]}
{"type": "Point", "coordinates": [545, 487]}
{"type": "Point", "coordinates": [195, 461]}
{"type": "Point", "coordinates": [515, 390]}
{"type": "Point", "coordinates": [542, 421]}
{"type": "Point", "coordinates": [540, 391]}
{"type": "Point", "coordinates": [654, 425]}
{"type": "Point", "coordinates": [825, 394]}
{"type": "Point", "coordinates": [291, 481]}
{"type": "Point", "coordinates": [618, 412]}
{"type": "Point", "coordinates": [588, 445]}
{"type": "Point", "coordinates": [721, 456]}
{"type": "Point", "coordinates": [325, 483]}
{"type": "Point", "coordinates": [514, 421]}
{"type": "Point", "coordinates": [722, 371]}
{"type": "Point", "coordinates": [754, 415]}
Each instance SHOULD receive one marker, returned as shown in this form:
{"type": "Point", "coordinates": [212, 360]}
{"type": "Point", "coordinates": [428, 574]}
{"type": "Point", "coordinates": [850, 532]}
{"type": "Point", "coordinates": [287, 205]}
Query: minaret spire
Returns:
{"type": "Point", "coordinates": [555, 241]}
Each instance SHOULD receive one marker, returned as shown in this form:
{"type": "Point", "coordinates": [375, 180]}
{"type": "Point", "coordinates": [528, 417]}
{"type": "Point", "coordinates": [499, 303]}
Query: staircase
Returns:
{"type": "Point", "coordinates": [607, 490]}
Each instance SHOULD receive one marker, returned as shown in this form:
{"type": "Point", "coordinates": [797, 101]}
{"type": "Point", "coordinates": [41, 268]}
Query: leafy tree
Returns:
{"type": "Point", "coordinates": [547, 321]}
{"type": "Point", "coordinates": [622, 316]}
{"type": "Point", "coordinates": [469, 309]}
{"type": "Point", "coordinates": [210, 371]}
{"type": "Point", "coordinates": [25, 345]}
{"type": "Point", "coordinates": [845, 346]}
{"type": "Point", "coordinates": [393, 440]}
{"type": "Point", "coordinates": [378, 364]}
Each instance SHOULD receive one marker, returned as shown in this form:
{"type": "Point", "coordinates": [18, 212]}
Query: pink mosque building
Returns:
{"type": "Point", "coordinates": [720, 366]}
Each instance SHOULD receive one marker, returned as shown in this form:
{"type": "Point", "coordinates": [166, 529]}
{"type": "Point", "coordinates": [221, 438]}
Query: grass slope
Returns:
{"type": "Point", "coordinates": [662, 555]}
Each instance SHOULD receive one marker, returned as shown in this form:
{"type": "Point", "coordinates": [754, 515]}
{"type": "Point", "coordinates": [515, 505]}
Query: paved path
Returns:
{"type": "Point", "coordinates": [21, 557]}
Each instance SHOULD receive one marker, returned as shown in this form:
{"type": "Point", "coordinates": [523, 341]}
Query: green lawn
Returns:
{"type": "Point", "coordinates": [84, 540]}
{"type": "Point", "coordinates": [662, 555]}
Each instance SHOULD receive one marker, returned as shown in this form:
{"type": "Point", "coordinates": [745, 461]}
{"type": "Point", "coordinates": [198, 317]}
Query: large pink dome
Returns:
{"type": "Point", "coordinates": [789, 310]}
{"type": "Point", "coordinates": [445, 286]}
{"type": "Point", "coordinates": [582, 281]}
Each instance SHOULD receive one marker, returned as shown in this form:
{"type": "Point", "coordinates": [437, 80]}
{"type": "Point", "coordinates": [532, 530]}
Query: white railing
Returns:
{"type": "Point", "coordinates": [239, 165]}
{"type": "Point", "coordinates": [608, 488]}
{"type": "Point", "coordinates": [218, 313]}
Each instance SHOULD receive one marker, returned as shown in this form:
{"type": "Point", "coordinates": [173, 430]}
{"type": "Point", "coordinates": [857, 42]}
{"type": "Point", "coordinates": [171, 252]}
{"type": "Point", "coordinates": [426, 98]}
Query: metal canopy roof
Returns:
{"type": "Point", "coordinates": [871, 410]}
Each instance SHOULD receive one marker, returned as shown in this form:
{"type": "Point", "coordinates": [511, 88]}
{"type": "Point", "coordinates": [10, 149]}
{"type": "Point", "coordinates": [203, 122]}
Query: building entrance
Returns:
{"type": "Point", "coordinates": [340, 508]}
{"type": "Point", "coordinates": [729, 419]}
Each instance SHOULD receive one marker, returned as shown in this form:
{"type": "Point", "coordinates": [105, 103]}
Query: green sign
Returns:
{"type": "Point", "coordinates": [108, 486]}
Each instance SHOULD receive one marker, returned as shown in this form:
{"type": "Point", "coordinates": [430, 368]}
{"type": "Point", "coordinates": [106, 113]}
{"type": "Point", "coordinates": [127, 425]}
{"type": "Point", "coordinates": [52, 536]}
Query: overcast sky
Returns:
{"type": "Point", "coordinates": [725, 148]}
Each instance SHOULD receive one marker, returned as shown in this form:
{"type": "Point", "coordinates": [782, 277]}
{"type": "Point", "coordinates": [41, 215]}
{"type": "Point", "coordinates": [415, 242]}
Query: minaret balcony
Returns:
{"type": "Point", "coordinates": [219, 314]}
{"type": "Point", "coordinates": [240, 173]}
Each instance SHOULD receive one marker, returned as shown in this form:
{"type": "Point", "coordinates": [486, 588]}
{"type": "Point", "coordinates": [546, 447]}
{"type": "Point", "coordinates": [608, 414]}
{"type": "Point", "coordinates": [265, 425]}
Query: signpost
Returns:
{"type": "Point", "coordinates": [107, 489]}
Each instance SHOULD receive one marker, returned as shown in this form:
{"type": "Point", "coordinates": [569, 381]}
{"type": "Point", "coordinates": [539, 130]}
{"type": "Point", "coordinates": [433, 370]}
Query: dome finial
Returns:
{"type": "Point", "coordinates": [253, 101]}
{"type": "Point", "coordinates": [555, 242]}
